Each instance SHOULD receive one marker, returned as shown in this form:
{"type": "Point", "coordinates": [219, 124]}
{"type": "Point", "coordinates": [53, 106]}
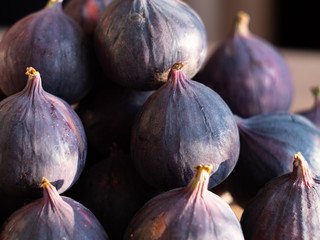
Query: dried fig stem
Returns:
{"type": "Point", "coordinates": [301, 168]}
{"type": "Point", "coordinates": [201, 178]}
{"type": "Point", "coordinates": [52, 3]}
{"type": "Point", "coordinates": [241, 25]}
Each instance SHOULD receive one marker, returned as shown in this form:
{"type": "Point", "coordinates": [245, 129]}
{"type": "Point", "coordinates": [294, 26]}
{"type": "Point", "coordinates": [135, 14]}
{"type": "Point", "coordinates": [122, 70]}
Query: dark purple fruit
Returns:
{"type": "Point", "coordinates": [108, 114]}
{"type": "Point", "coordinates": [182, 125]}
{"type": "Point", "coordinates": [137, 42]}
{"type": "Point", "coordinates": [191, 212]}
{"type": "Point", "coordinates": [248, 73]}
{"type": "Point", "coordinates": [53, 43]}
{"type": "Point", "coordinates": [114, 192]}
{"type": "Point", "coordinates": [313, 114]}
{"type": "Point", "coordinates": [86, 12]}
{"type": "Point", "coordinates": [287, 208]}
{"type": "Point", "coordinates": [53, 217]}
{"type": "Point", "coordinates": [41, 135]}
{"type": "Point", "coordinates": [267, 144]}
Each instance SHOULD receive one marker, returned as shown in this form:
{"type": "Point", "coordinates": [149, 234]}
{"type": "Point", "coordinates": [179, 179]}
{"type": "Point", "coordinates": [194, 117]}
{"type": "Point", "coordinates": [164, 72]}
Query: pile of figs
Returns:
{"type": "Point", "coordinates": [113, 126]}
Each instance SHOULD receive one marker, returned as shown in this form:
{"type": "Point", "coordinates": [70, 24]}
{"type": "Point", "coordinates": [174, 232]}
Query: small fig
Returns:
{"type": "Point", "coordinates": [181, 125]}
{"type": "Point", "coordinates": [191, 212]}
{"type": "Point", "coordinates": [286, 208]}
{"type": "Point", "coordinates": [248, 73]}
{"type": "Point", "coordinates": [53, 217]}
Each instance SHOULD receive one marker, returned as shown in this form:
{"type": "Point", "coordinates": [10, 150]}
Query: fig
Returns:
{"type": "Point", "coordinates": [53, 217]}
{"type": "Point", "coordinates": [286, 208]}
{"type": "Point", "coordinates": [190, 212]}
{"type": "Point", "coordinates": [313, 114]}
{"type": "Point", "coordinates": [114, 191]}
{"type": "Point", "coordinates": [107, 114]}
{"type": "Point", "coordinates": [137, 42]}
{"type": "Point", "coordinates": [41, 135]}
{"type": "Point", "coordinates": [249, 73]}
{"type": "Point", "coordinates": [181, 125]}
{"type": "Point", "coordinates": [54, 44]}
{"type": "Point", "coordinates": [86, 12]}
{"type": "Point", "coordinates": [267, 144]}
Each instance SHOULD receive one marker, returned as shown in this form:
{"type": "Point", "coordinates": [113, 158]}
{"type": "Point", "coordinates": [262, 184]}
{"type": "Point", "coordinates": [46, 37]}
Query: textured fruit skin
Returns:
{"type": "Point", "coordinates": [187, 213]}
{"type": "Point", "coordinates": [40, 135]}
{"type": "Point", "coordinates": [138, 41]}
{"type": "Point", "coordinates": [55, 45]}
{"type": "Point", "coordinates": [267, 144]}
{"type": "Point", "coordinates": [86, 12]}
{"type": "Point", "coordinates": [53, 217]}
{"type": "Point", "coordinates": [108, 114]}
{"type": "Point", "coordinates": [181, 125]}
{"type": "Point", "coordinates": [114, 192]}
{"type": "Point", "coordinates": [250, 75]}
{"type": "Point", "coordinates": [287, 208]}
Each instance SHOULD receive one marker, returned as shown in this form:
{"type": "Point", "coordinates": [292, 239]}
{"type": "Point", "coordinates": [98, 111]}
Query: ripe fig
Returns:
{"type": "Point", "coordinates": [313, 114]}
{"type": "Point", "coordinates": [267, 144]}
{"type": "Point", "coordinates": [54, 44]}
{"type": "Point", "coordinates": [53, 217]}
{"type": "Point", "coordinates": [181, 125]}
{"type": "Point", "coordinates": [40, 135]}
{"type": "Point", "coordinates": [249, 73]}
{"type": "Point", "coordinates": [137, 42]}
{"type": "Point", "coordinates": [287, 208]}
{"type": "Point", "coordinates": [191, 212]}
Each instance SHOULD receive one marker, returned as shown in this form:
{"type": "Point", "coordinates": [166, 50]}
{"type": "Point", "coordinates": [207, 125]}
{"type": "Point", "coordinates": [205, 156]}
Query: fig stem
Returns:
{"type": "Point", "coordinates": [176, 67]}
{"type": "Point", "coordinates": [45, 183]}
{"type": "Point", "coordinates": [201, 178]}
{"type": "Point", "coordinates": [316, 92]}
{"type": "Point", "coordinates": [241, 25]}
{"type": "Point", "coordinates": [52, 3]}
{"type": "Point", "coordinates": [31, 72]}
{"type": "Point", "coordinates": [300, 166]}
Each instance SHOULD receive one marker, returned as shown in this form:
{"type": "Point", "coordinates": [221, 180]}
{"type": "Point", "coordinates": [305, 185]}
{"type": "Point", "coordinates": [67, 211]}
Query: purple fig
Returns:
{"type": "Point", "coordinates": [191, 212]}
{"type": "Point", "coordinates": [267, 144]}
{"type": "Point", "coordinates": [181, 125]}
{"type": "Point", "coordinates": [248, 73]}
{"type": "Point", "coordinates": [53, 217]}
{"type": "Point", "coordinates": [287, 208]}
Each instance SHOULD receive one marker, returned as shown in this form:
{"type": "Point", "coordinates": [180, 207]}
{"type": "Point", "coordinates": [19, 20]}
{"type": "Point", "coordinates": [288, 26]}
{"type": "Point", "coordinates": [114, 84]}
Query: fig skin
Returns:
{"type": "Point", "coordinates": [181, 125]}
{"type": "Point", "coordinates": [53, 217]}
{"type": "Point", "coordinates": [40, 135]}
{"type": "Point", "coordinates": [55, 45]}
{"type": "Point", "coordinates": [114, 191]}
{"type": "Point", "coordinates": [287, 208]}
{"type": "Point", "coordinates": [108, 114]}
{"type": "Point", "coordinates": [190, 212]}
{"type": "Point", "coordinates": [138, 41]}
{"type": "Point", "coordinates": [313, 114]}
{"type": "Point", "coordinates": [249, 73]}
{"type": "Point", "coordinates": [267, 144]}
{"type": "Point", "coordinates": [86, 12]}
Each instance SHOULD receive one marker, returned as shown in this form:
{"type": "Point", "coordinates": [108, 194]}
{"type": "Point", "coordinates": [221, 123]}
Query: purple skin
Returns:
{"type": "Point", "coordinates": [249, 74]}
{"type": "Point", "coordinates": [114, 192]}
{"type": "Point", "coordinates": [86, 12]}
{"type": "Point", "coordinates": [191, 212]}
{"type": "Point", "coordinates": [56, 46]}
{"type": "Point", "coordinates": [138, 41]}
{"type": "Point", "coordinates": [313, 114]}
{"type": "Point", "coordinates": [287, 208]}
{"type": "Point", "coordinates": [181, 125]}
{"type": "Point", "coordinates": [108, 114]}
{"type": "Point", "coordinates": [41, 135]}
{"type": "Point", "coordinates": [267, 144]}
{"type": "Point", "coordinates": [53, 217]}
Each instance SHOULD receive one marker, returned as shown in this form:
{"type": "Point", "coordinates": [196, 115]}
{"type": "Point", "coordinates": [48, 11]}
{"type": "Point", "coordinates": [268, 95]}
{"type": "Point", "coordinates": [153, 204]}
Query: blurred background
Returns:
{"type": "Point", "coordinates": [287, 24]}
